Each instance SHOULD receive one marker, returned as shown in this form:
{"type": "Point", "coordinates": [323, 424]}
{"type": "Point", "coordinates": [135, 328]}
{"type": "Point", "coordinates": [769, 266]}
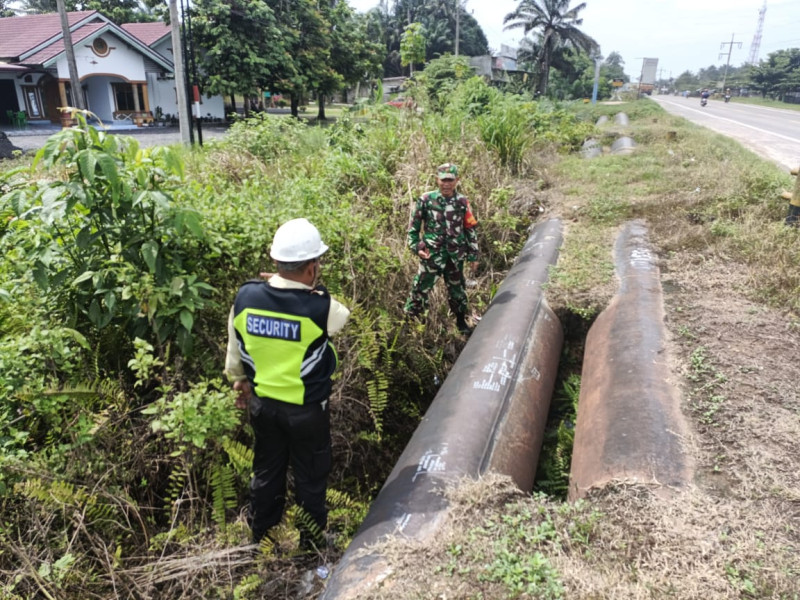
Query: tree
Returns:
{"type": "Point", "coordinates": [778, 74]}
{"type": "Point", "coordinates": [355, 57]}
{"type": "Point", "coordinates": [442, 76]}
{"type": "Point", "coordinates": [438, 17]}
{"type": "Point", "coordinates": [412, 46]}
{"type": "Point", "coordinates": [557, 25]}
{"type": "Point", "coordinates": [239, 45]}
{"type": "Point", "coordinates": [687, 81]}
{"type": "Point", "coordinates": [119, 11]}
{"type": "Point", "coordinates": [613, 67]}
{"type": "Point", "coordinates": [5, 11]}
{"type": "Point", "coordinates": [306, 64]}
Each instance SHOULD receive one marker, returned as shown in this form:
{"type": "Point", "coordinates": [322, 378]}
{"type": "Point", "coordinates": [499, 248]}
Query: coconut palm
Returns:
{"type": "Point", "coordinates": [556, 25]}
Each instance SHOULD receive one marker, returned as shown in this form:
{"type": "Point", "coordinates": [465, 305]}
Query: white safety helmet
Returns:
{"type": "Point", "coordinates": [295, 241]}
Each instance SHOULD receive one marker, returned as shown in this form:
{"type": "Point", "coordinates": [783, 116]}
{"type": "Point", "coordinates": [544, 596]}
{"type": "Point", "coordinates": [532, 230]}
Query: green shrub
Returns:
{"type": "Point", "coordinates": [106, 243]}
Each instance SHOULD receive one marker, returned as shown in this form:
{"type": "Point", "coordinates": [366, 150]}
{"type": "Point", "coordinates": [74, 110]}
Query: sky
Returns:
{"type": "Point", "coordinates": [684, 35]}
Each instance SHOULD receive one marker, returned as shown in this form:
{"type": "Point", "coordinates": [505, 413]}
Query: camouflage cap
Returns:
{"type": "Point", "coordinates": [447, 171]}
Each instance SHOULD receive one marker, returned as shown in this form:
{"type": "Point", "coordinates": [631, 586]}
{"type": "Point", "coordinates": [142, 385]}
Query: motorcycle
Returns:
{"type": "Point", "coordinates": [727, 98]}
{"type": "Point", "coordinates": [703, 101]}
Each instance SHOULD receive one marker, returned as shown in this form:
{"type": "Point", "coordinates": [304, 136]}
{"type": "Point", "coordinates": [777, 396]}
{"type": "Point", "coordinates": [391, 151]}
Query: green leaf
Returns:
{"type": "Point", "coordinates": [84, 238]}
{"type": "Point", "coordinates": [176, 286]}
{"type": "Point", "coordinates": [78, 337]}
{"type": "Point", "coordinates": [83, 277]}
{"type": "Point", "coordinates": [40, 275]}
{"type": "Point", "coordinates": [191, 220]}
{"type": "Point", "coordinates": [87, 162]}
{"type": "Point", "coordinates": [150, 254]}
{"type": "Point", "coordinates": [95, 313]}
{"type": "Point", "coordinates": [187, 319]}
{"type": "Point", "coordinates": [109, 168]}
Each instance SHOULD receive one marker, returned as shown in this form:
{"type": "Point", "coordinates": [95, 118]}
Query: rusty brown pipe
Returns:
{"type": "Point", "coordinates": [489, 415]}
{"type": "Point", "coordinates": [630, 426]}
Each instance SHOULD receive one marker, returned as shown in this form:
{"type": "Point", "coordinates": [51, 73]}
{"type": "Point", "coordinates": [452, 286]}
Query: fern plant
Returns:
{"type": "Point", "coordinates": [554, 465]}
{"type": "Point", "coordinates": [376, 346]}
{"type": "Point", "coordinates": [222, 481]}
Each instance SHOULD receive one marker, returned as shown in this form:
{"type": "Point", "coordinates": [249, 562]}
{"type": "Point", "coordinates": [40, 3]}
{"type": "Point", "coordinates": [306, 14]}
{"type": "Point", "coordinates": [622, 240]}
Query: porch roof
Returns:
{"type": "Point", "coordinates": [5, 67]}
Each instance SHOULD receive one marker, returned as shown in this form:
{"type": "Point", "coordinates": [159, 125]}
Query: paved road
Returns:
{"type": "Point", "coordinates": [770, 132]}
{"type": "Point", "coordinates": [31, 140]}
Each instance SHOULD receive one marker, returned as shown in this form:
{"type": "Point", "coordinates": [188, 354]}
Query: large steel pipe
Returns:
{"type": "Point", "coordinates": [630, 426]}
{"type": "Point", "coordinates": [489, 415]}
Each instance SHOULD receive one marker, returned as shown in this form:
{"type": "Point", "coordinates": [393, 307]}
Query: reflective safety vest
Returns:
{"type": "Point", "coordinates": [283, 341]}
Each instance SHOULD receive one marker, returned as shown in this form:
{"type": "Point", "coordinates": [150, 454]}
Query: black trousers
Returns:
{"type": "Point", "coordinates": [288, 434]}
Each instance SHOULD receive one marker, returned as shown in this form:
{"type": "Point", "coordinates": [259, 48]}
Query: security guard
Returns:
{"type": "Point", "coordinates": [448, 240]}
{"type": "Point", "coordinates": [280, 360]}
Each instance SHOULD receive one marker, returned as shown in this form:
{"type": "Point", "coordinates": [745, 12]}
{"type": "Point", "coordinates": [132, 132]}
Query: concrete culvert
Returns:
{"type": "Point", "coordinates": [489, 416]}
{"type": "Point", "coordinates": [591, 148]}
{"type": "Point", "coordinates": [621, 119]}
{"type": "Point", "coordinates": [623, 145]}
{"type": "Point", "coordinates": [629, 426]}
{"type": "Point", "coordinates": [602, 120]}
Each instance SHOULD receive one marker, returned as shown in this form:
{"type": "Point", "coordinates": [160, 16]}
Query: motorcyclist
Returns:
{"type": "Point", "coordinates": [704, 97]}
{"type": "Point", "coordinates": [727, 95]}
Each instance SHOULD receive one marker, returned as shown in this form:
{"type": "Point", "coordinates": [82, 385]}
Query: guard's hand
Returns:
{"type": "Point", "coordinates": [424, 253]}
{"type": "Point", "coordinates": [245, 391]}
{"type": "Point", "coordinates": [473, 267]}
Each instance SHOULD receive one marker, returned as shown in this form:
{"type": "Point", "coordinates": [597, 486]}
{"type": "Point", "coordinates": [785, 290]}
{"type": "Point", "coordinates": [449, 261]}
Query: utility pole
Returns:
{"type": "Point", "coordinates": [458, 19]}
{"type": "Point", "coordinates": [195, 89]}
{"type": "Point", "coordinates": [721, 54]}
{"type": "Point", "coordinates": [597, 59]}
{"type": "Point", "coordinates": [460, 4]}
{"type": "Point", "coordinates": [180, 77]}
{"type": "Point", "coordinates": [74, 80]}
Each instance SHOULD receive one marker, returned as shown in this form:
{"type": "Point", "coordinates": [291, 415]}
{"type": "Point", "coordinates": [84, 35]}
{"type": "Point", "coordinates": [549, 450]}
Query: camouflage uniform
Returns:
{"type": "Point", "coordinates": [450, 243]}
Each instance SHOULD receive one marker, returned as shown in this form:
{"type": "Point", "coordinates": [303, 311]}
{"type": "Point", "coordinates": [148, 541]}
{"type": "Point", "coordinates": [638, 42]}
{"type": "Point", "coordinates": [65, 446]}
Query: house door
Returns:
{"type": "Point", "coordinates": [52, 100]}
{"type": "Point", "coordinates": [8, 99]}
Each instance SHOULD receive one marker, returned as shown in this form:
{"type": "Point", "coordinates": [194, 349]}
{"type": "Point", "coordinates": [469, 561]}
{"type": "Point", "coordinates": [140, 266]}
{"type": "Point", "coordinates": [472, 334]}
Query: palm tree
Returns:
{"type": "Point", "coordinates": [556, 25]}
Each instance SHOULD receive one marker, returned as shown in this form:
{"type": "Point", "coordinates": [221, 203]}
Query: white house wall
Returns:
{"type": "Point", "coordinates": [165, 96]}
{"type": "Point", "coordinates": [121, 60]}
{"type": "Point", "coordinates": [162, 94]}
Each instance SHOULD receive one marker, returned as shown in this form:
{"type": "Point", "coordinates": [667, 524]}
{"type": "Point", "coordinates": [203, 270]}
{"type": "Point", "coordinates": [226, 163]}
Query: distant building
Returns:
{"type": "Point", "coordinates": [499, 67]}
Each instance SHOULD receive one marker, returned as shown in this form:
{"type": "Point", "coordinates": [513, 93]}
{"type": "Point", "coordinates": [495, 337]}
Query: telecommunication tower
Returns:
{"type": "Point", "coordinates": [756, 44]}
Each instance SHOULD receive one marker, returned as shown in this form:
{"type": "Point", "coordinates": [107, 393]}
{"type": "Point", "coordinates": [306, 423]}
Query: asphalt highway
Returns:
{"type": "Point", "coordinates": [34, 138]}
{"type": "Point", "coordinates": [772, 133]}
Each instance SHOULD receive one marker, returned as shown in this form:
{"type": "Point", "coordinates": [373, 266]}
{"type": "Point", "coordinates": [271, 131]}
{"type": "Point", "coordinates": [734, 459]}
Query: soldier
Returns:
{"type": "Point", "coordinates": [448, 240]}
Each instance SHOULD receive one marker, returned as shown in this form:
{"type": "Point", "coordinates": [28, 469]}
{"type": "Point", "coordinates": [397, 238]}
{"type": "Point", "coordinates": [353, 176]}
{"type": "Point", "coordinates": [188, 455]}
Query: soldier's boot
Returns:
{"type": "Point", "coordinates": [793, 218]}
{"type": "Point", "coordinates": [462, 325]}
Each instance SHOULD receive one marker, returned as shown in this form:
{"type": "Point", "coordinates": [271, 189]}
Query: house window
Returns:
{"type": "Point", "coordinates": [123, 96]}
{"type": "Point", "coordinates": [71, 101]}
{"type": "Point", "coordinates": [100, 47]}
{"type": "Point", "coordinates": [33, 101]}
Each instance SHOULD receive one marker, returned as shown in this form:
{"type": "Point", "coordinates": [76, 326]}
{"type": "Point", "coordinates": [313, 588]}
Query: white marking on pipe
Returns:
{"type": "Point", "coordinates": [431, 462]}
{"type": "Point", "coordinates": [500, 369]}
{"type": "Point", "coordinates": [641, 257]}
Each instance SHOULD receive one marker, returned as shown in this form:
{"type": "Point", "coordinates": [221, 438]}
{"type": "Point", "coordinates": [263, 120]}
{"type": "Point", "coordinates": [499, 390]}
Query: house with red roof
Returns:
{"type": "Point", "coordinates": [126, 72]}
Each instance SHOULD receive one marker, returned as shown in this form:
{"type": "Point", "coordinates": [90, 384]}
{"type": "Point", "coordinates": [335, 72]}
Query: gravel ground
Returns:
{"type": "Point", "coordinates": [30, 141]}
